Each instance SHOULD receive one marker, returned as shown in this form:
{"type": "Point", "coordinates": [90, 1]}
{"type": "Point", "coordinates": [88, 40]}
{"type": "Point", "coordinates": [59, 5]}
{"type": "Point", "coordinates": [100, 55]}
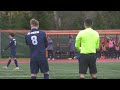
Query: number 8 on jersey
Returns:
{"type": "Point", "coordinates": [34, 40]}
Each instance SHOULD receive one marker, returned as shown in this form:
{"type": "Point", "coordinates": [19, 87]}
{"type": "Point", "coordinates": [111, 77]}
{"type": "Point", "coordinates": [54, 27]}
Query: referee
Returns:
{"type": "Point", "coordinates": [87, 42]}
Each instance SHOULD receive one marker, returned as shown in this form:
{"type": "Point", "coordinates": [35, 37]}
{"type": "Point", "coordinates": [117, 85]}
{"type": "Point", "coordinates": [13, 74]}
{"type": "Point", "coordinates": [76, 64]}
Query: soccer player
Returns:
{"type": "Point", "coordinates": [37, 42]}
{"type": "Point", "coordinates": [71, 46]}
{"type": "Point", "coordinates": [104, 50]}
{"type": "Point", "coordinates": [111, 43]}
{"type": "Point", "coordinates": [50, 49]}
{"type": "Point", "coordinates": [87, 41]}
{"type": "Point", "coordinates": [12, 46]}
{"type": "Point", "coordinates": [117, 51]}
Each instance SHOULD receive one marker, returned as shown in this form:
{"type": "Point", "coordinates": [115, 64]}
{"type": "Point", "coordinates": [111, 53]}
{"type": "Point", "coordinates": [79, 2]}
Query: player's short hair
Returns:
{"type": "Point", "coordinates": [34, 22]}
{"type": "Point", "coordinates": [88, 22]}
{"type": "Point", "coordinates": [12, 34]}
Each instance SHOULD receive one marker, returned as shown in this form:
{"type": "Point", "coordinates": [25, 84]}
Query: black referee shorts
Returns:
{"type": "Point", "coordinates": [87, 61]}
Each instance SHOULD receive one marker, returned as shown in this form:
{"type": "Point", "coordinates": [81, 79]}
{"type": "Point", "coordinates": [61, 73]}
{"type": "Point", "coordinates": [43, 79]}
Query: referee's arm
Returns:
{"type": "Point", "coordinates": [78, 42]}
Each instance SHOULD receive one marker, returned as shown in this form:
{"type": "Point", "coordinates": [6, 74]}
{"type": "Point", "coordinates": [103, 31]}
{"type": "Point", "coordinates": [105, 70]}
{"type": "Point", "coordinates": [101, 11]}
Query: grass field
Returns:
{"type": "Point", "coordinates": [109, 70]}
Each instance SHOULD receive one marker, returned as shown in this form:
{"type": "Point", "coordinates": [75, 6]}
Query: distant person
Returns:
{"type": "Point", "coordinates": [104, 50]}
{"type": "Point", "coordinates": [37, 42]}
{"type": "Point", "coordinates": [111, 44]}
{"type": "Point", "coordinates": [58, 51]}
{"type": "Point", "coordinates": [87, 41]}
{"type": "Point", "coordinates": [117, 51]}
{"type": "Point", "coordinates": [98, 53]}
{"type": "Point", "coordinates": [12, 46]}
{"type": "Point", "coordinates": [71, 46]}
{"type": "Point", "coordinates": [50, 49]}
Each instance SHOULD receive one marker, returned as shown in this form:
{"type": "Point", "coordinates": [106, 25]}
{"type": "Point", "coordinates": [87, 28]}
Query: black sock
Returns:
{"type": "Point", "coordinates": [46, 76]}
{"type": "Point", "coordinates": [16, 63]}
{"type": "Point", "coordinates": [33, 77]}
{"type": "Point", "coordinates": [8, 63]}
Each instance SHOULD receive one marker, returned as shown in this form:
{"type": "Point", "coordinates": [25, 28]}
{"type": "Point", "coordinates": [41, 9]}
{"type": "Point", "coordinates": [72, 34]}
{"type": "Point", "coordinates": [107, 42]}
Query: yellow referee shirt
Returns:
{"type": "Point", "coordinates": [87, 41]}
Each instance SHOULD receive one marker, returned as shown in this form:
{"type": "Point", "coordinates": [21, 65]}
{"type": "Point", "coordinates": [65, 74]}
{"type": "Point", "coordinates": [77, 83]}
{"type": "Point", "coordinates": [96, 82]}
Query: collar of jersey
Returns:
{"type": "Point", "coordinates": [34, 29]}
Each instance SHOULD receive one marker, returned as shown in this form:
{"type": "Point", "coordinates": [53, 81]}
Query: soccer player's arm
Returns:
{"type": "Point", "coordinates": [45, 41]}
{"type": "Point", "coordinates": [78, 42]}
{"type": "Point", "coordinates": [11, 42]}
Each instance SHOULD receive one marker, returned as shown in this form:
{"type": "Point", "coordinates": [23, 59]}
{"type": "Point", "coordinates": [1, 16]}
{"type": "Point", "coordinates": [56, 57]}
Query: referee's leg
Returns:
{"type": "Point", "coordinates": [83, 66]}
{"type": "Point", "coordinates": [92, 66]}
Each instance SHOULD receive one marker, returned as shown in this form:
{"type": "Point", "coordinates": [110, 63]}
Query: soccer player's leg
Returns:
{"type": "Point", "coordinates": [44, 68]}
{"type": "Point", "coordinates": [52, 54]}
{"type": "Point", "coordinates": [48, 54]}
{"type": "Point", "coordinates": [83, 66]}
{"type": "Point", "coordinates": [92, 66]}
{"type": "Point", "coordinates": [74, 55]}
{"type": "Point", "coordinates": [15, 61]}
{"type": "Point", "coordinates": [34, 68]}
{"type": "Point", "coordinates": [119, 54]}
{"type": "Point", "coordinates": [115, 54]}
{"type": "Point", "coordinates": [107, 54]}
{"type": "Point", "coordinates": [70, 54]}
{"type": "Point", "coordinates": [8, 63]}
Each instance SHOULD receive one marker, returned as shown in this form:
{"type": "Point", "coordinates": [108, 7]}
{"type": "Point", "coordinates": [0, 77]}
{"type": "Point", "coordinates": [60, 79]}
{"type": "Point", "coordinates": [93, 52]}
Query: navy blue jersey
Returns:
{"type": "Point", "coordinates": [12, 45]}
{"type": "Point", "coordinates": [37, 42]}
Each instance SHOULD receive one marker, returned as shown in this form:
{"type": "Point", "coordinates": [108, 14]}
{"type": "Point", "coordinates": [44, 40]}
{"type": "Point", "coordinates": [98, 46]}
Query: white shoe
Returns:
{"type": "Point", "coordinates": [17, 68]}
{"type": "Point", "coordinates": [74, 57]}
{"type": "Point", "coordinates": [5, 67]}
{"type": "Point", "coordinates": [48, 58]}
{"type": "Point", "coordinates": [98, 58]}
{"type": "Point", "coordinates": [69, 58]}
{"type": "Point", "coordinates": [53, 59]}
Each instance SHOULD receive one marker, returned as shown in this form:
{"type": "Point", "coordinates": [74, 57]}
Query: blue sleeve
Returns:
{"type": "Point", "coordinates": [11, 43]}
{"type": "Point", "coordinates": [45, 40]}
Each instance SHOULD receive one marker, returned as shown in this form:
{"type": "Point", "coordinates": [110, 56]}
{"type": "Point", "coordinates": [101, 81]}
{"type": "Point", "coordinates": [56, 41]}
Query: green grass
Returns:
{"type": "Point", "coordinates": [62, 71]}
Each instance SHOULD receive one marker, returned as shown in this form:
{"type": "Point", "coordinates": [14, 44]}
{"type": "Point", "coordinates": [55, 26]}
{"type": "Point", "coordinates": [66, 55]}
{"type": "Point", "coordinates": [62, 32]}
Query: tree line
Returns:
{"type": "Point", "coordinates": [64, 20]}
